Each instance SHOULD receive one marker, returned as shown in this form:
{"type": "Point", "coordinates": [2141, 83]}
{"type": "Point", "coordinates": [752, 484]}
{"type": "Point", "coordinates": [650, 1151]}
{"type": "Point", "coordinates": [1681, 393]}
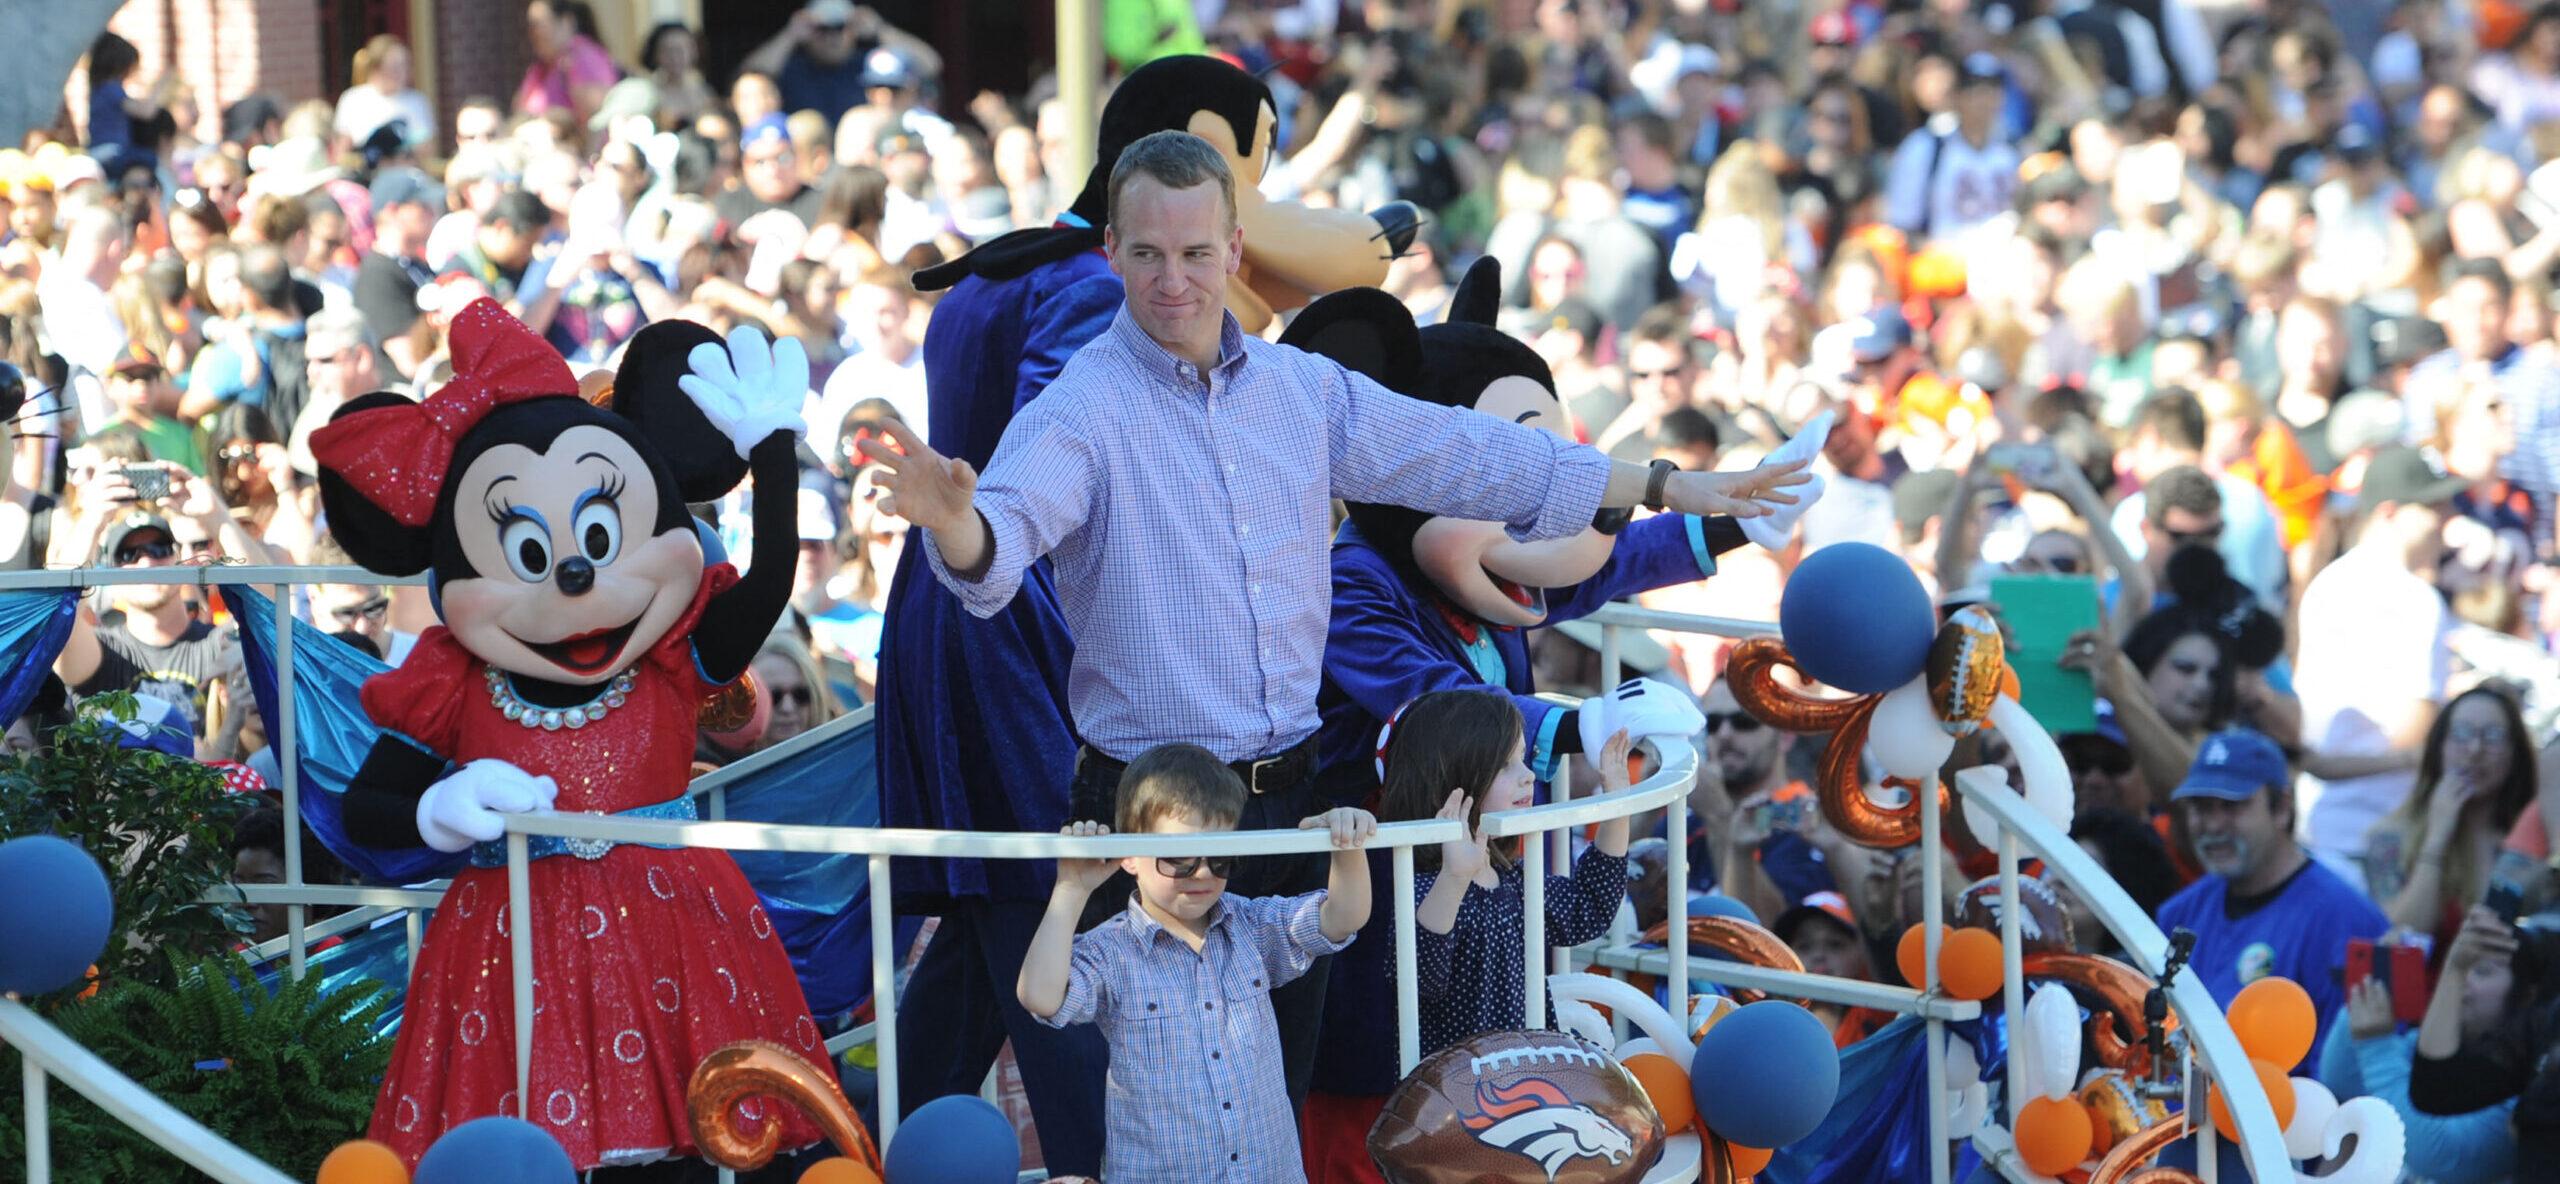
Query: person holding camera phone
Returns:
{"type": "Point", "coordinates": [2373, 1057]}
{"type": "Point", "coordinates": [2460, 1068]}
{"type": "Point", "coordinates": [153, 639]}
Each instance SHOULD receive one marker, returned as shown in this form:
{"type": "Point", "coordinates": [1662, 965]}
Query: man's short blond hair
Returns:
{"type": "Point", "coordinates": [1175, 160]}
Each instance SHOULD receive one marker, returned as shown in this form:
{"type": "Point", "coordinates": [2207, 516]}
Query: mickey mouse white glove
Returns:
{"type": "Point", "coordinates": [1770, 531]}
{"type": "Point", "coordinates": [1645, 708]}
{"type": "Point", "coordinates": [464, 808]}
{"type": "Point", "coordinates": [752, 388]}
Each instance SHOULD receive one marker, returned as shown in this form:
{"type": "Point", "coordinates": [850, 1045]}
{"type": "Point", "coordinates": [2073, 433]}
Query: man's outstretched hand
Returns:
{"type": "Point", "coordinates": [931, 490]}
{"type": "Point", "coordinates": [1763, 490]}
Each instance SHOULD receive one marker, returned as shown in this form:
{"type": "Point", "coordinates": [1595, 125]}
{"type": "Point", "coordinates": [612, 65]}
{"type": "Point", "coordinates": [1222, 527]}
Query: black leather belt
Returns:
{"type": "Point", "coordinates": [1291, 768]}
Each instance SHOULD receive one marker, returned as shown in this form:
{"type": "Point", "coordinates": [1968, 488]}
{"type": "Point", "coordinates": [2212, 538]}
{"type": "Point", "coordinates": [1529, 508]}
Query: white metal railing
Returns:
{"type": "Point", "coordinates": [47, 1053]}
{"type": "Point", "coordinates": [2210, 1038]}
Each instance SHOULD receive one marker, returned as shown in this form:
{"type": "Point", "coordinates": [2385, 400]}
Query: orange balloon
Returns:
{"type": "Point", "coordinates": [2271, 1078]}
{"type": "Point", "coordinates": [1969, 963]}
{"type": "Point", "coordinates": [2274, 1020]}
{"type": "Point", "coordinates": [1911, 955]}
{"type": "Point", "coordinates": [1668, 1087]}
{"type": "Point", "coordinates": [1747, 1161]}
{"type": "Point", "coordinates": [363, 1162]}
{"type": "Point", "coordinates": [2009, 681]}
{"type": "Point", "coordinates": [839, 1170]}
{"type": "Point", "coordinates": [2054, 1134]}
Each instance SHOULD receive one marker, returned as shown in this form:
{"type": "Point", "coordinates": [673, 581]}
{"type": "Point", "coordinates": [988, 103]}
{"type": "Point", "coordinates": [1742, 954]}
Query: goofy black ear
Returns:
{"type": "Point", "coordinates": [1366, 330]}
{"type": "Point", "coordinates": [699, 456]}
{"type": "Point", "coordinates": [370, 535]}
{"type": "Point", "coordinates": [1479, 297]}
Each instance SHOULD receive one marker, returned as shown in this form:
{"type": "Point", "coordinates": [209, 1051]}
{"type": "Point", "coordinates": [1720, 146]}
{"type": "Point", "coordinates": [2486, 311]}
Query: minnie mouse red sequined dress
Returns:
{"type": "Point", "coordinates": [645, 959]}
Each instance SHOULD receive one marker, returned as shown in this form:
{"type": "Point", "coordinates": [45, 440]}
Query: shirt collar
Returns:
{"type": "Point", "coordinates": [1159, 361]}
{"type": "Point", "coordinates": [1145, 926]}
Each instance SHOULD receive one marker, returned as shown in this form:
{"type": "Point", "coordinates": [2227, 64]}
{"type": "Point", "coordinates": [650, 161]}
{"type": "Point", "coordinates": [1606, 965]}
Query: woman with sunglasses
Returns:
{"type": "Point", "coordinates": [2432, 856]}
{"type": "Point", "coordinates": [795, 687]}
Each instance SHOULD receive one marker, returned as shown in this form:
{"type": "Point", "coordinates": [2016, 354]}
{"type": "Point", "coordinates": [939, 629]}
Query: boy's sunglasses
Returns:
{"type": "Point", "coordinates": [1184, 869]}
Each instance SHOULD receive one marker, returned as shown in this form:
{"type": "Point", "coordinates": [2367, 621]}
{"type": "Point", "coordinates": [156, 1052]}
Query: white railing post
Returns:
{"type": "Point", "coordinates": [1533, 936]}
{"type": "Point", "coordinates": [285, 736]}
{"type": "Point", "coordinates": [520, 933]}
{"type": "Point", "coordinates": [884, 995]}
{"type": "Point", "coordinates": [1408, 1006]}
{"type": "Point", "coordinates": [1675, 895]}
{"type": "Point", "coordinates": [39, 1132]}
{"type": "Point", "coordinates": [2013, 977]}
{"type": "Point", "coordinates": [1933, 907]}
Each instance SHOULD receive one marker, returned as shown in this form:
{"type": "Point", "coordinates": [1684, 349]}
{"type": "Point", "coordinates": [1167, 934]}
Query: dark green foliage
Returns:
{"type": "Point", "coordinates": [159, 825]}
{"type": "Point", "coordinates": [296, 1077]}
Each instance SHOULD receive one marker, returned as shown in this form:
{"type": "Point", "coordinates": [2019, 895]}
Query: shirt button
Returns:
{"type": "Point", "coordinates": [1151, 1007]}
{"type": "Point", "coordinates": [1209, 1007]}
{"type": "Point", "coordinates": [1232, 1157]}
{"type": "Point", "coordinates": [1213, 1054]}
{"type": "Point", "coordinates": [1226, 1105]}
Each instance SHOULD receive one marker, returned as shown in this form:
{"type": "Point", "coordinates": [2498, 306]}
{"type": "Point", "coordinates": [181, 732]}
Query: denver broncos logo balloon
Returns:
{"type": "Point", "coordinates": [1526, 1106]}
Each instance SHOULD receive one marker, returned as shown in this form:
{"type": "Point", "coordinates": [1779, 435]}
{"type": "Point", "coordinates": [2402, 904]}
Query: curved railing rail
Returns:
{"type": "Point", "coordinates": [48, 1052]}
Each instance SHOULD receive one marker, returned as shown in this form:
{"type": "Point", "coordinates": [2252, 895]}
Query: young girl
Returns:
{"type": "Point", "coordinates": [1448, 754]}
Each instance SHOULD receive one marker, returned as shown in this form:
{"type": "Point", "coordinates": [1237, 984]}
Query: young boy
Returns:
{"type": "Point", "coordinates": [1181, 980]}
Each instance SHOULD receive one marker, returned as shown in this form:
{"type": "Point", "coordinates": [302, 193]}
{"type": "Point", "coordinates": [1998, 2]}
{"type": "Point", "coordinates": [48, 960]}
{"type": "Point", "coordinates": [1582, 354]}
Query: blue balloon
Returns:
{"type": "Point", "coordinates": [960, 1139]}
{"type": "Point", "coordinates": [1856, 618]}
{"type": "Point", "coordinates": [1765, 1076]}
{"type": "Point", "coordinates": [55, 910]}
{"type": "Point", "coordinates": [496, 1151]}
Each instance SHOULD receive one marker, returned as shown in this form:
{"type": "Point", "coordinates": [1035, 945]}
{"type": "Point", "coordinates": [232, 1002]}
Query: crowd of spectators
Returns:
{"type": "Point", "coordinates": [2238, 316]}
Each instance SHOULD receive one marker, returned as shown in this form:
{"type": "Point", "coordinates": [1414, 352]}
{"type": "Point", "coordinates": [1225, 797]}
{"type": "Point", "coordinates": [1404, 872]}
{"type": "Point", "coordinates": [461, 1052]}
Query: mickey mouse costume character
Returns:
{"type": "Point", "coordinates": [1423, 603]}
{"type": "Point", "coordinates": [582, 632]}
{"type": "Point", "coordinates": [995, 750]}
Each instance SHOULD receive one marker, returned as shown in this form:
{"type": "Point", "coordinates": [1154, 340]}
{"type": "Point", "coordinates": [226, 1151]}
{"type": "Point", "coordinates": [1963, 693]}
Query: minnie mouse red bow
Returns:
{"type": "Point", "coordinates": [398, 456]}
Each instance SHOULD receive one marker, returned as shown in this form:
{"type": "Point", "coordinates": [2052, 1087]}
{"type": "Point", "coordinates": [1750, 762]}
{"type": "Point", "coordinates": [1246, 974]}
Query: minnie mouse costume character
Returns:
{"type": "Point", "coordinates": [582, 631]}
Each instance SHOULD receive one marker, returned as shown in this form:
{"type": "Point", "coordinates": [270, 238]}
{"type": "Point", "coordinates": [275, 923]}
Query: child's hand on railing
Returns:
{"type": "Point", "coordinates": [1462, 857]}
{"type": "Point", "coordinates": [1351, 826]}
{"type": "Point", "coordinates": [1614, 771]}
{"type": "Point", "coordinates": [1085, 874]}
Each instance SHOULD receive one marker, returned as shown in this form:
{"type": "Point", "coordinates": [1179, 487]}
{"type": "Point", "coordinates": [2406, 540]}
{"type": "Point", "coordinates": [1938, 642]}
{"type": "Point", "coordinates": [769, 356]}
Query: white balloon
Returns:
{"type": "Point", "coordinates": [2313, 1106]}
{"type": "Point", "coordinates": [1904, 734]}
{"type": "Point", "coordinates": [1637, 1046]}
{"type": "Point", "coordinates": [1639, 1008]}
{"type": "Point", "coordinates": [1581, 1019]}
{"type": "Point", "coordinates": [2047, 776]}
{"type": "Point", "coordinates": [2049, 1043]}
{"type": "Point", "coordinates": [2382, 1143]}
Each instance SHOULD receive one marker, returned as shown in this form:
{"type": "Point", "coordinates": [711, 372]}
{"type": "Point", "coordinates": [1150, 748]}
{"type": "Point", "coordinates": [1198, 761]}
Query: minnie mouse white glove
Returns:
{"type": "Point", "coordinates": [1770, 531]}
{"type": "Point", "coordinates": [1646, 709]}
{"type": "Point", "coordinates": [751, 389]}
{"type": "Point", "coordinates": [464, 808]}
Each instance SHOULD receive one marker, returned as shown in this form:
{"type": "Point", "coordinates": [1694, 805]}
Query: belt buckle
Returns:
{"type": "Point", "coordinates": [1254, 782]}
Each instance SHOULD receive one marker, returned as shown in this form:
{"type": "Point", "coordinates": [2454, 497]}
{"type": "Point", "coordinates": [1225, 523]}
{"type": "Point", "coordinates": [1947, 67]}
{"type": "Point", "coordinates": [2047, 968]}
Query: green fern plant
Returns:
{"type": "Point", "coordinates": [286, 1075]}
{"type": "Point", "coordinates": [160, 826]}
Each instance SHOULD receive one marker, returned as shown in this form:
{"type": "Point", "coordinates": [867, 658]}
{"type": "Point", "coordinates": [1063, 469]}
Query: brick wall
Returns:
{"type": "Point", "coordinates": [223, 48]}
{"type": "Point", "coordinates": [226, 49]}
{"type": "Point", "coordinates": [480, 50]}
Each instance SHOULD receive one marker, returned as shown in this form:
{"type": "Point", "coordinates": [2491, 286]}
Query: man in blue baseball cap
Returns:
{"type": "Point", "coordinates": [2264, 906]}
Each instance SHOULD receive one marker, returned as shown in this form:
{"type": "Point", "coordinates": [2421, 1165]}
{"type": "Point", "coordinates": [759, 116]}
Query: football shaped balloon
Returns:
{"type": "Point", "coordinates": [2043, 922]}
{"type": "Point", "coordinates": [1517, 1106]}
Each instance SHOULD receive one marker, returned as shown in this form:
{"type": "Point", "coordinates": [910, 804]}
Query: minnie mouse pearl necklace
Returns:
{"type": "Point", "coordinates": [502, 695]}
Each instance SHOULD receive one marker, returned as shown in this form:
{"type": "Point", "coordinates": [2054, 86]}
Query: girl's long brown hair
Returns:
{"type": "Point", "coordinates": [1447, 740]}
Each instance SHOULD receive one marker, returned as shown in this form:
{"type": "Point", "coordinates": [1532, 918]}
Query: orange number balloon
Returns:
{"type": "Point", "coordinates": [2119, 1044]}
{"type": "Point", "coordinates": [1840, 784]}
{"type": "Point", "coordinates": [1743, 941]}
{"type": "Point", "coordinates": [761, 1068]}
{"type": "Point", "coordinates": [2123, 1165]}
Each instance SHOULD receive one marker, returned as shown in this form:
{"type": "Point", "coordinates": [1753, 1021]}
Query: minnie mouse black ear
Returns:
{"type": "Point", "coordinates": [1479, 297]}
{"type": "Point", "coordinates": [699, 455]}
{"type": "Point", "coordinates": [366, 531]}
{"type": "Point", "coordinates": [1365, 330]}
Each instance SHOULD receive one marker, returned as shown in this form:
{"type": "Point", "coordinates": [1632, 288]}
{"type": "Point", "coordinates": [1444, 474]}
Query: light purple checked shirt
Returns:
{"type": "Point", "coordinates": [1196, 1091]}
{"type": "Point", "coordinates": [1188, 522]}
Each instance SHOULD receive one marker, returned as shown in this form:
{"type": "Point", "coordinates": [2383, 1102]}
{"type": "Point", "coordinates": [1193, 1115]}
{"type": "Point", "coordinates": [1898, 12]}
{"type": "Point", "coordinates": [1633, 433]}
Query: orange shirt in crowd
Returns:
{"type": "Point", "coordinates": [2277, 466]}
